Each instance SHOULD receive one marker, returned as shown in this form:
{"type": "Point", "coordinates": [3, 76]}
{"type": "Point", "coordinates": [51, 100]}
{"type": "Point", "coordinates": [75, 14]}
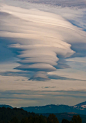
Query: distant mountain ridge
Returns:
{"type": "Point", "coordinates": [79, 108]}
{"type": "Point", "coordinates": [83, 105]}
{"type": "Point", "coordinates": [56, 109]}
{"type": "Point", "coordinates": [6, 106]}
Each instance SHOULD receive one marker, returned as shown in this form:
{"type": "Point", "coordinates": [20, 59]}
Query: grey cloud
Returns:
{"type": "Point", "coordinates": [62, 78]}
{"type": "Point", "coordinates": [40, 76]}
{"type": "Point", "coordinates": [14, 95]}
{"type": "Point", "coordinates": [21, 73]}
{"type": "Point", "coordinates": [41, 97]}
{"type": "Point", "coordinates": [36, 67]}
{"type": "Point", "coordinates": [40, 41]}
{"type": "Point", "coordinates": [62, 63]}
{"type": "Point", "coordinates": [63, 3]}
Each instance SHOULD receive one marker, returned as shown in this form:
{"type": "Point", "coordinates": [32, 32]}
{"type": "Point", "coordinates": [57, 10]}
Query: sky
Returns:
{"type": "Point", "coordinates": [42, 52]}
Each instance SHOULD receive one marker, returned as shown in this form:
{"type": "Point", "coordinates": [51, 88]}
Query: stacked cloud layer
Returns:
{"type": "Point", "coordinates": [40, 40]}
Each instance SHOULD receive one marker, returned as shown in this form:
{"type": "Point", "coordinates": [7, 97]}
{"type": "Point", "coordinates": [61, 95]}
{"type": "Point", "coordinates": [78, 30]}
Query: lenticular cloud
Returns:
{"type": "Point", "coordinates": [39, 38]}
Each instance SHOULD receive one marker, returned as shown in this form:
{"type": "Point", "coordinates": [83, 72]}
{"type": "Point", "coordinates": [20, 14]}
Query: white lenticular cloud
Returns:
{"type": "Point", "coordinates": [41, 38]}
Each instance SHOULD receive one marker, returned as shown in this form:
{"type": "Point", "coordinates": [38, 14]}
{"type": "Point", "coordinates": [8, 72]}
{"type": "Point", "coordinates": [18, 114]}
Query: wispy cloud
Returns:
{"type": "Point", "coordinates": [63, 3]}
{"type": "Point", "coordinates": [36, 98]}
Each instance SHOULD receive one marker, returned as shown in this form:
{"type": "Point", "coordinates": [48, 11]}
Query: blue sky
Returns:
{"type": "Point", "coordinates": [42, 52]}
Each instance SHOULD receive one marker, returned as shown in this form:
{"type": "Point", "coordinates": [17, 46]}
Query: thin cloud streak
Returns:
{"type": "Point", "coordinates": [33, 98]}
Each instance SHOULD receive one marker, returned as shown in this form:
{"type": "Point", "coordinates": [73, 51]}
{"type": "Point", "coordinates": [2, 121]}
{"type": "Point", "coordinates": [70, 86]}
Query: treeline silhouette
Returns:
{"type": "Point", "coordinates": [18, 115]}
